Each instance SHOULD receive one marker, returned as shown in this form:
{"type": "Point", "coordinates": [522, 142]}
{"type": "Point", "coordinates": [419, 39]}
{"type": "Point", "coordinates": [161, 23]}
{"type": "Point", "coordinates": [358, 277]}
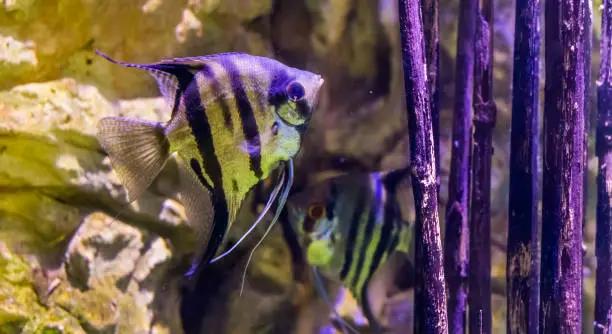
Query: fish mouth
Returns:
{"type": "Point", "coordinates": [316, 98]}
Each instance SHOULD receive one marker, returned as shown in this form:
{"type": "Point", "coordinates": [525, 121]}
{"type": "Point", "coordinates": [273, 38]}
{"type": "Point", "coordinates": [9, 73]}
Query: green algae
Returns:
{"type": "Point", "coordinates": [20, 309]}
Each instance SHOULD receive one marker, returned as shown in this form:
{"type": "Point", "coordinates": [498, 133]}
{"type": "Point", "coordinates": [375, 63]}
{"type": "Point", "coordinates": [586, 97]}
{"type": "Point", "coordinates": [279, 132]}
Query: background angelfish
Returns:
{"type": "Point", "coordinates": [353, 232]}
{"type": "Point", "coordinates": [234, 119]}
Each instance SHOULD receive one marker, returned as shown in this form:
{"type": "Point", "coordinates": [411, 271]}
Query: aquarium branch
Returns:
{"type": "Point", "coordinates": [430, 315]}
{"type": "Point", "coordinates": [588, 41]}
{"type": "Point", "coordinates": [431, 32]}
{"type": "Point", "coordinates": [485, 112]}
{"type": "Point", "coordinates": [522, 273]}
{"type": "Point", "coordinates": [603, 243]}
{"type": "Point", "coordinates": [587, 314]}
{"type": "Point", "coordinates": [456, 239]}
{"type": "Point", "coordinates": [561, 271]}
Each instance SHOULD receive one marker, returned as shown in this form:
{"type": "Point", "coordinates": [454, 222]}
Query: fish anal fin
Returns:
{"type": "Point", "coordinates": [138, 150]}
{"type": "Point", "coordinates": [376, 293]}
{"type": "Point", "coordinates": [197, 201]}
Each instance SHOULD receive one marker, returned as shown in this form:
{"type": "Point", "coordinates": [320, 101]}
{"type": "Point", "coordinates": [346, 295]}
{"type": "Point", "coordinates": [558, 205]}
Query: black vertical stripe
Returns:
{"type": "Point", "coordinates": [176, 103]}
{"type": "Point", "coordinates": [375, 204]}
{"type": "Point", "coordinates": [249, 124]}
{"type": "Point", "coordinates": [364, 302]}
{"type": "Point", "coordinates": [302, 108]}
{"type": "Point", "coordinates": [392, 218]}
{"type": "Point", "coordinates": [330, 206]}
{"type": "Point", "coordinates": [217, 92]}
{"type": "Point", "coordinates": [383, 244]}
{"type": "Point", "coordinates": [395, 240]}
{"type": "Point", "coordinates": [365, 244]}
{"type": "Point", "coordinates": [195, 166]}
{"type": "Point", "coordinates": [381, 248]}
{"type": "Point", "coordinates": [200, 127]}
{"type": "Point", "coordinates": [387, 235]}
{"type": "Point", "coordinates": [352, 234]}
{"type": "Point", "coordinates": [277, 94]}
{"type": "Point", "coordinates": [181, 72]}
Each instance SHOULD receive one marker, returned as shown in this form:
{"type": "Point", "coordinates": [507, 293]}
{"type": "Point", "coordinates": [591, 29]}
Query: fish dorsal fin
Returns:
{"type": "Point", "coordinates": [194, 61]}
{"type": "Point", "coordinates": [393, 178]}
{"type": "Point", "coordinates": [197, 201]}
{"type": "Point", "coordinates": [169, 74]}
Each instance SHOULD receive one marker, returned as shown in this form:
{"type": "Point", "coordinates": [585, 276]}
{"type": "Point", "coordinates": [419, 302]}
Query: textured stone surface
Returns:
{"type": "Point", "coordinates": [50, 39]}
{"type": "Point", "coordinates": [88, 267]}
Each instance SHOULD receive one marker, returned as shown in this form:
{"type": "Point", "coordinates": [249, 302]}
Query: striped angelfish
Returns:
{"type": "Point", "coordinates": [233, 119]}
{"type": "Point", "coordinates": [354, 231]}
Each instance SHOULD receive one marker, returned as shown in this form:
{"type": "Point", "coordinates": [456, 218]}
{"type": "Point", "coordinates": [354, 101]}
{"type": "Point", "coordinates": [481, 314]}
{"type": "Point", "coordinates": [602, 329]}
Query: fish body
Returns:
{"type": "Point", "coordinates": [354, 232]}
{"type": "Point", "coordinates": [234, 118]}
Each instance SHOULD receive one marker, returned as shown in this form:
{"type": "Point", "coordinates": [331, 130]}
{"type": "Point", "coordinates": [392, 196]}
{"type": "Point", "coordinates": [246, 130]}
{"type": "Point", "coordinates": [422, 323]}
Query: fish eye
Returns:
{"type": "Point", "coordinates": [295, 91]}
{"type": "Point", "coordinates": [316, 211]}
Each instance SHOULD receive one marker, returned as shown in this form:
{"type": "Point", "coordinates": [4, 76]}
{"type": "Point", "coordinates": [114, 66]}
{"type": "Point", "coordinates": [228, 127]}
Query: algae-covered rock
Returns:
{"type": "Point", "coordinates": [114, 272]}
{"type": "Point", "coordinates": [45, 40]}
{"type": "Point", "coordinates": [111, 281]}
{"type": "Point", "coordinates": [47, 147]}
{"type": "Point", "coordinates": [89, 272]}
{"type": "Point", "coordinates": [20, 308]}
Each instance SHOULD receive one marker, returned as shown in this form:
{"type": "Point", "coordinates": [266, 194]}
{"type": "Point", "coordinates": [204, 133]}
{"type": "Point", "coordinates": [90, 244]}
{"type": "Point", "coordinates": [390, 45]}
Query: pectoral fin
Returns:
{"type": "Point", "coordinates": [138, 151]}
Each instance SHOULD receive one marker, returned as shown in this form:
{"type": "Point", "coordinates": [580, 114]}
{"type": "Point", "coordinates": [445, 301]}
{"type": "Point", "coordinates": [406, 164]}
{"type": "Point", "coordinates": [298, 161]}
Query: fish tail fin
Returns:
{"type": "Point", "coordinates": [138, 150]}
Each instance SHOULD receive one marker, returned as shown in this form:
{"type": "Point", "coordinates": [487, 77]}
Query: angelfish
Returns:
{"type": "Point", "coordinates": [353, 232]}
{"type": "Point", "coordinates": [234, 118]}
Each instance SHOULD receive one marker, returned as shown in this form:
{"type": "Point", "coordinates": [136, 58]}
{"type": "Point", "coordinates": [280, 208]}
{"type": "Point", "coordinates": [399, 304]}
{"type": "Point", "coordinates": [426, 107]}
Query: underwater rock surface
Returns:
{"type": "Point", "coordinates": [69, 262]}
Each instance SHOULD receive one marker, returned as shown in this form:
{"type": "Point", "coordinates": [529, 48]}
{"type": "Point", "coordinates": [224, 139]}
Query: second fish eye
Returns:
{"type": "Point", "coordinates": [295, 91]}
{"type": "Point", "coordinates": [316, 211]}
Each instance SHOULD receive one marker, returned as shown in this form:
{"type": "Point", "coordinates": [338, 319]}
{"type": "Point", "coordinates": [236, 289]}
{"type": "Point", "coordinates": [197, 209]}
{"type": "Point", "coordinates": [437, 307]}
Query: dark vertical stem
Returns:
{"type": "Point", "coordinates": [485, 112]}
{"type": "Point", "coordinates": [456, 241]}
{"type": "Point", "coordinates": [431, 31]}
{"type": "Point", "coordinates": [430, 315]}
{"type": "Point", "coordinates": [603, 243]}
{"type": "Point", "coordinates": [588, 32]}
{"type": "Point", "coordinates": [522, 266]}
{"type": "Point", "coordinates": [561, 271]}
{"type": "Point", "coordinates": [588, 40]}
